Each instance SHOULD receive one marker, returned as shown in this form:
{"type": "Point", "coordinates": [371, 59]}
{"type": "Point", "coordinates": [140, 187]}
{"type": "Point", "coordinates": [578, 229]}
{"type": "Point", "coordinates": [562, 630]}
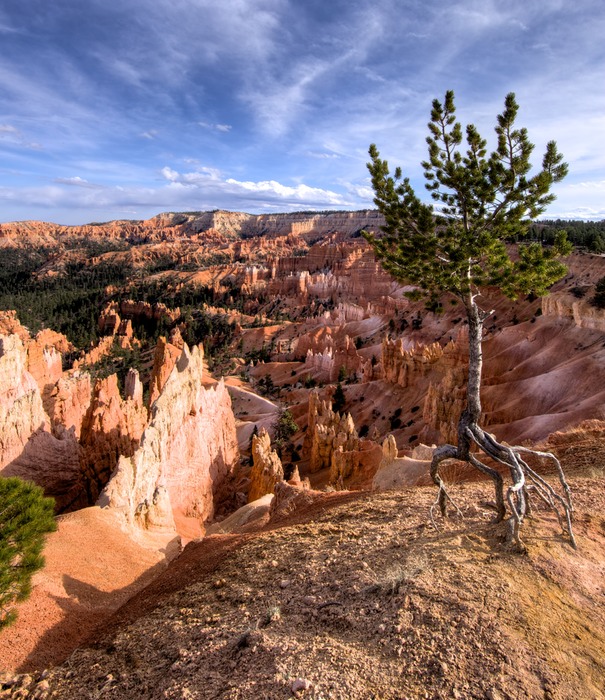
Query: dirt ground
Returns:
{"type": "Point", "coordinates": [360, 597]}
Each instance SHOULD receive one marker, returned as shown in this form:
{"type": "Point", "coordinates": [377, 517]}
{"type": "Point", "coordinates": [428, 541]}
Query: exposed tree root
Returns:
{"type": "Point", "coordinates": [525, 481]}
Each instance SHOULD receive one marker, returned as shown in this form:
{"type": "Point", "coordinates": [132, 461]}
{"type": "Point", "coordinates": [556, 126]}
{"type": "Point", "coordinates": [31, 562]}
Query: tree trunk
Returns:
{"type": "Point", "coordinates": [472, 412]}
{"type": "Point", "coordinates": [470, 433]}
{"type": "Point", "coordinates": [475, 361]}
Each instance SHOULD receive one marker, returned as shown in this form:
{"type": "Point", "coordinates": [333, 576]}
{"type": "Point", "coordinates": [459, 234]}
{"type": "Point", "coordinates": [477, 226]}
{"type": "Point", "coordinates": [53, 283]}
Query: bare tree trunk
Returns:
{"type": "Point", "coordinates": [475, 318]}
{"type": "Point", "coordinates": [470, 433]}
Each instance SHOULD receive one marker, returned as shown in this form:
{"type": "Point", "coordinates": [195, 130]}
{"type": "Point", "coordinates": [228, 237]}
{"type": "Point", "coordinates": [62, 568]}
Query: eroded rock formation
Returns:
{"type": "Point", "coordinates": [267, 469]}
{"type": "Point", "coordinates": [112, 427]}
{"type": "Point", "coordinates": [164, 359]}
{"type": "Point", "coordinates": [404, 366]}
{"type": "Point", "coordinates": [187, 452]}
{"type": "Point", "coordinates": [580, 311]}
{"type": "Point", "coordinates": [27, 447]}
{"type": "Point", "coordinates": [327, 432]}
{"type": "Point", "coordinates": [355, 469]}
{"type": "Point", "coordinates": [21, 409]}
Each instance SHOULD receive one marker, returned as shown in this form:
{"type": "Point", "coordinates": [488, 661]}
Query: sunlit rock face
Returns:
{"type": "Point", "coordinates": [327, 432]}
{"type": "Point", "coordinates": [580, 311]}
{"type": "Point", "coordinates": [21, 409]}
{"type": "Point", "coordinates": [267, 469]}
{"type": "Point", "coordinates": [27, 447]}
{"type": "Point", "coordinates": [187, 452]}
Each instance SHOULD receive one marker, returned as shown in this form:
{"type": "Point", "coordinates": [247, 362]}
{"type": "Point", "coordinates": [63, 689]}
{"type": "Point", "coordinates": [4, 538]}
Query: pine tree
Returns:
{"type": "Point", "coordinates": [460, 248]}
{"type": "Point", "coordinates": [338, 400]}
{"type": "Point", "coordinates": [284, 428]}
{"type": "Point", "coordinates": [25, 518]}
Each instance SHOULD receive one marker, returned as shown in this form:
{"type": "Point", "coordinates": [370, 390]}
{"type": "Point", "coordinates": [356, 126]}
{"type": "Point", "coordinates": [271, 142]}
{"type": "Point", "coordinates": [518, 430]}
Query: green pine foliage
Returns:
{"type": "Point", "coordinates": [482, 201]}
{"type": "Point", "coordinates": [26, 516]}
{"type": "Point", "coordinates": [283, 429]}
{"type": "Point", "coordinates": [285, 426]}
{"type": "Point", "coordinates": [338, 400]}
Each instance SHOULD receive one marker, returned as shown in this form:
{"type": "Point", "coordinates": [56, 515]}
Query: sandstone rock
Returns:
{"type": "Point", "coordinates": [21, 409]}
{"type": "Point", "coordinates": [53, 464]}
{"type": "Point", "coordinates": [164, 359]}
{"type": "Point", "coordinates": [96, 354]}
{"type": "Point", "coordinates": [187, 452]}
{"type": "Point", "coordinates": [251, 516]}
{"type": "Point", "coordinates": [396, 472]}
{"type": "Point", "coordinates": [44, 358]}
{"type": "Point", "coordinates": [355, 468]}
{"type": "Point", "coordinates": [112, 427]}
{"type": "Point", "coordinates": [580, 311]}
{"type": "Point", "coordinates": [444, 403]}
{"type": "Point", "coordinates": [403, 367]}
{"type": "Point", "coordinates": [68, 403]}
{"type": "Point", "coordinates": [10, 325]}
{"type": "Point", "coordinates": [327, 431]}
{"type": "Point", "coordinates": [27, 447]}
{"type": "Point", "coordinates": [288, 499]}
{"type": "Point", "coordinates": [267, 469]}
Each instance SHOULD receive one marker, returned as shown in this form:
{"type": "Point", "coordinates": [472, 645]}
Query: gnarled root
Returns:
{"type": "Point", "coordinates": [525, 481]}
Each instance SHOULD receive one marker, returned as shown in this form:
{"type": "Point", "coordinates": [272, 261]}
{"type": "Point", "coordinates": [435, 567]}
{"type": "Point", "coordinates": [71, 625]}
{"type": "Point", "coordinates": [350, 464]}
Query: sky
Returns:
{"type": "Point", "coordinates": [122, 110]}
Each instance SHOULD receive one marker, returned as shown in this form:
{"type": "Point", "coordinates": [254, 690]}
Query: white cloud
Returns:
{"type": "Point", "coordinates": [321, 155]}
{"type": "Point", "coordinates": [223, 128]}
{"type": "Point", "coordinates": [77, 181]}
{"type": "Point", "coordinates": [14, 136]}
{"type": "Point", "coordinates": [203, 189]}
{"type": "Point", "coordinates": [170, 174]}
{"type": "Point", "coordinates": [301, 193]}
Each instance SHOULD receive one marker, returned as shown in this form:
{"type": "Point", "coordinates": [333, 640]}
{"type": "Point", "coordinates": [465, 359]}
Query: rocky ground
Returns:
{"type": "Point", "coordinates": [358, 596]}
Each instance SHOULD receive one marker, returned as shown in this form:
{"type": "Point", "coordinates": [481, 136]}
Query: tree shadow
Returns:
{"type": "Point", "coordinates": [84, 610]}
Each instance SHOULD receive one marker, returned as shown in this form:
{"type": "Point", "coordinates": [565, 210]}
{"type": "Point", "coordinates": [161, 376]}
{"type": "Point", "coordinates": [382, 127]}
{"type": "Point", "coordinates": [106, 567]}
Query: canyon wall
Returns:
{"type": "Point", "coordinates": [171, 226]}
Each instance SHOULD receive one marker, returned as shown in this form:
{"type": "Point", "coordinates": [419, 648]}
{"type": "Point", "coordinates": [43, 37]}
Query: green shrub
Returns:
{"type": "Point", "coordinates": [26, 516]}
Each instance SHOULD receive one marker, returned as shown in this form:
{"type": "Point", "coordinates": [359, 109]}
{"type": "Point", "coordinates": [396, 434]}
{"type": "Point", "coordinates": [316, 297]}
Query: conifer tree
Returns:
{"type": "Point", "coordinates": [26, 516]}
{"type": "Point", "coordinates": [338, 400]}
{"type": "Point", "coordinates": [284, 428]}
{"type": "Point", "coordinates": [459, 248]}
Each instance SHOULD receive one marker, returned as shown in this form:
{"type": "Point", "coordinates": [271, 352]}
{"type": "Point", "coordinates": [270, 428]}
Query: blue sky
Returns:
{"type": "Point", "coordinates": [112, 110]}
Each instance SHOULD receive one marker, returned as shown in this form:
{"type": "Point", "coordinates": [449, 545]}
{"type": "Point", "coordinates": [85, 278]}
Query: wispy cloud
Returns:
{"type": "Point", "coordinates": [204, 188]}
{"type": "Point", "coordinates": [223, 128]}
{"type": "Point", "coordinates": [252, 103]}
{"type": "Point", "coordinates": [77, 181]}
{"type": "Point", "coordinates": [11, 134]}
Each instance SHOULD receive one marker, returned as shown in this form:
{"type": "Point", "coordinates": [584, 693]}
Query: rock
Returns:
{"type": "Point", "coordinates": [580, 311]}
{"type": "Point", "coordinates": [267, 469]}
{"type": "Point", "coordinates": [164, 359]}
{"type": "Point", "coordinates": [300, 684]}
{"type": "Point", "coordinates": [21, 409]}
{"type": "Point", "coordinates": [403, 367]}
{"type": "Point", "coordinates": [112, 427]}
{"type": "Point", "coordinates": [186, 453]}
{"type": "Point", "coordinates": [396, 472]}
{"type": "Point", "coordinates": [327, 431]}
{"type": "Point", "coordinates": [68, 403]}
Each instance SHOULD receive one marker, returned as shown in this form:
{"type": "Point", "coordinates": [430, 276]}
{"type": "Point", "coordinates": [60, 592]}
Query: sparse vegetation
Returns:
{"type": "Point", "coordinates": [598, 299]}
